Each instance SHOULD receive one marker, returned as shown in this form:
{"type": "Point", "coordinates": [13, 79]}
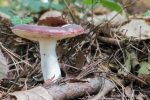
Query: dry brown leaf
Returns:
{"type": "Point", "coordinates": [136, 7]}
{"type": "Point", "coordinates": [129, 92]}
{"type": "Point", "coordinates": [137, 29]}
{"type": "Point", "coordinates": [99, 10]}
{"type": "Point", "coordinates": [140, 96]}
{"type": "Point", "coordinates": [114, 18]}
{"type": "Point", "coordinates": [80, 60]}
{"type": "Point", "coordinates": [3, 66]}
{"type": "Point", "coordinates": [38, 93]}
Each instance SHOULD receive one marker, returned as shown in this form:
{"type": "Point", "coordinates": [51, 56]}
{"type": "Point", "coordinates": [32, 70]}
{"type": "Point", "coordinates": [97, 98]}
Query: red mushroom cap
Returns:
{"type": "Point", "coordinates": [34, 32]}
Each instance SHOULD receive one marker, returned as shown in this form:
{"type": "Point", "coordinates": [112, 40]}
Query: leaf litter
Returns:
{"type": "Point", "coordinates": [119, 53]}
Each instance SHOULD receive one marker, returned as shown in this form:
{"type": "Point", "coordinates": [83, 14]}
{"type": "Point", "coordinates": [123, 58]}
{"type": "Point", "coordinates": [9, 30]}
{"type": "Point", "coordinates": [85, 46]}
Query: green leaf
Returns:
{"type": "Point", "coordinates": [145, 68]}
{"type": "Point", "coordinates": [6, 10]}
{"type": "Point", "coordinates": [87, 2]}
{"type": "Point", "coordinates": [147, 13]}
{"type": "Point", "coordinates": [90, 2]}
{"type": "Point", "coordinates": [57, 6]}
{"type": "Point", "coordinates": [17, 20]}
{"type": "Point", "coordinates": [27, 20]}
{"type": "Point", "coordinates": [110, 4]}
{"type": "Point", "coordinates": [36, 5]}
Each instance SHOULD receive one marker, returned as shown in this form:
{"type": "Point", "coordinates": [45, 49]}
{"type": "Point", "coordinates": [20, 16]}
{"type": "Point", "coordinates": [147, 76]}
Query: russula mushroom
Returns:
{"type": "Point", "coordinates": [47, 38]}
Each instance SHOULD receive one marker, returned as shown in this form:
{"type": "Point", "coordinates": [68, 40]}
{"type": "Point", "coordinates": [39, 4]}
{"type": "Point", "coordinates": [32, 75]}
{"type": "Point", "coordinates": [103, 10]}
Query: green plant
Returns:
{"type": "Point", "coordinates": [36, 6]}
{"type": "Point", "coordinates": [32, 6]}
{"type": "Point", "coordinates": [17, 20]}
{"type": "Point", "coordinates": [28, 7]}
{"type": "Point", "coordinates": [110, 4]}
{"type": "Point", "coordinates": [147, 13]}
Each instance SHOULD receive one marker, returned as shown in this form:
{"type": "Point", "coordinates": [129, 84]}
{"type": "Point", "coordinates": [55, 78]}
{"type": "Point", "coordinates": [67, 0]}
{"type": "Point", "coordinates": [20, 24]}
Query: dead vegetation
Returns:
{"type": "Point", "coordinates": [103, 63]}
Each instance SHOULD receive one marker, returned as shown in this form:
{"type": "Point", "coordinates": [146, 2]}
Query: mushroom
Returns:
{"type": "Point", "coordinates": [47, 38]}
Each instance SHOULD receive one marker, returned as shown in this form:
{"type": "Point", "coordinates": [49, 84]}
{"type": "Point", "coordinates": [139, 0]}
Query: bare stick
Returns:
{"type": "Point", "coordinates": [66, 90]}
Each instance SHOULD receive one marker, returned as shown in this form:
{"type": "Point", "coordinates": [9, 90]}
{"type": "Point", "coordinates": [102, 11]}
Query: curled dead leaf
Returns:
{"type": "Point", "coordinates": [38, 93]}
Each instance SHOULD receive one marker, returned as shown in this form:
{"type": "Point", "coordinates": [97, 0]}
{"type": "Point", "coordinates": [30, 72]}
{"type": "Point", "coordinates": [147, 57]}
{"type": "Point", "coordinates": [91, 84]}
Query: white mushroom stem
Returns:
{"type": "Point", "coordinates": [49, 61]}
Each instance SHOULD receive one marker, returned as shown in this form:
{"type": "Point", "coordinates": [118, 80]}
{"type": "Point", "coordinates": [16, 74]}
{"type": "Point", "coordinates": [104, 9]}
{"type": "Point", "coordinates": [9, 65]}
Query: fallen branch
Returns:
{"type": "Point", "coordinates": [63, 91]}
{"type": "Point", "coordinates": [111, 40]}
{"type": "Point", "coordinates": [106, 87]}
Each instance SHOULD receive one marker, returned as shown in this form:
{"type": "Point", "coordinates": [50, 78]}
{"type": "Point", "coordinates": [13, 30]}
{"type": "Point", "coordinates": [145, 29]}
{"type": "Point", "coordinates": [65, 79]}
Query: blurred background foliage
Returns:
{"type": "Point", "coordinates": [18, 9]}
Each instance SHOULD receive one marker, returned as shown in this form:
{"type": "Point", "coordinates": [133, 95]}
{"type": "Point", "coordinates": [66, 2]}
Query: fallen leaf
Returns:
{"type": "Point", "coordinates": [137, 29]}
{"type": "Point", "coordinates": [80, 60]}
{"type": "Point", "coordinates": [99, 10]}
{"type": "Point", "coordinates": [145, 68]}
{"type": "Point", "coordinates": [3, 66]}
{"type": "Point", "coordinates": [114, 18]}
{"type": "Point", "coordinates": [38, 93]}
{"type": "Point", "coordinates": [129, 92]}
{"type": "Point", "coordinates": [144, 72]}
{"type": "Point", "coordinates": [140, 96]}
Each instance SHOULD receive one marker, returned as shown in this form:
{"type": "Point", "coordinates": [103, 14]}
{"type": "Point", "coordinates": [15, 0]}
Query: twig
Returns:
{"type": "Point", "coordinates": [68, 91]}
